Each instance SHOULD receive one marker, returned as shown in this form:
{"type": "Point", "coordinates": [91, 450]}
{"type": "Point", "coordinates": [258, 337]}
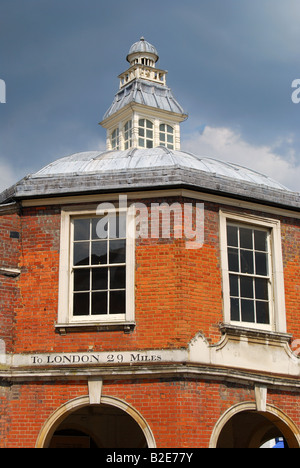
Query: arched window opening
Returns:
{"type": "Point", "coordinates": [145, 133]}
{"type": "Point", "coordinates": [128, 134]}
{"type": "Point", "coordinates": [115, 139]}
{"type": "Point", "coordinates": [166, 136]}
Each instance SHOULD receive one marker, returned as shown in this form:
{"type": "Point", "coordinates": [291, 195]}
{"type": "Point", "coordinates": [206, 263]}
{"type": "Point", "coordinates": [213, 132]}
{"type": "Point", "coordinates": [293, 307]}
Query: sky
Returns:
{"type": "Point", "coordinates": [231, 65]}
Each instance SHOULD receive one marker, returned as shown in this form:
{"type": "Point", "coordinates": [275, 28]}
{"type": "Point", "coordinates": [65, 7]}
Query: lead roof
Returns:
{"type": "Point", "coordinates": [148, 169]}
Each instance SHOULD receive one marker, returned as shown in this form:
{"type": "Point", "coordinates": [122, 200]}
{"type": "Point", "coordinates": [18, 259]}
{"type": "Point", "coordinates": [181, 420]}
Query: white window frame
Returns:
{"type": "Point", "coordinates": [65, 300]}
{"type": "Point", "coordinates": [277, 292]}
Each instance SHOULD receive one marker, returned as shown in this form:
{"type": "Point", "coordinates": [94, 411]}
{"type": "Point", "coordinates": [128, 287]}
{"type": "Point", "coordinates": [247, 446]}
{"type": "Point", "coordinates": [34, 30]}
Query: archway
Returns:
{"type": "Point", "coordinates": [244, 427]}
{"type": "Point", "coordinates": [112, 424]}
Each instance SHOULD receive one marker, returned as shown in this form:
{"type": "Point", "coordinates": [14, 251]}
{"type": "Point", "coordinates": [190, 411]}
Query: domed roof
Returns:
{"type": "Point", "coordinates": [149, 159]}
{"type": "Point", "coordinates": [142, 46]}
{"type": "Point", "coordinates": [149, 169]}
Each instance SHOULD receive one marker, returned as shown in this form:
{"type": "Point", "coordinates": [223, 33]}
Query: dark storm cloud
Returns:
{"type": "Point", "coordinates": [231, 64]}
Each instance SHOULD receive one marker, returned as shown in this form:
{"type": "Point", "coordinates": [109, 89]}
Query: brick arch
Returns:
{"type": "Point", "coordinates": [272, 414]}
{"type": "Point", "coordinates": [61, 413]}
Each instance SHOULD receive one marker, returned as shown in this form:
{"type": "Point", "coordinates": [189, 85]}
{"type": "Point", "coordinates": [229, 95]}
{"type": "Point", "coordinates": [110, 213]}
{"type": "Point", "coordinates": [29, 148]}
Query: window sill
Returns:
{"type": "Point", "coordinates": [253, 333]}
{"type": "Point", "coordinates": [65, 328]}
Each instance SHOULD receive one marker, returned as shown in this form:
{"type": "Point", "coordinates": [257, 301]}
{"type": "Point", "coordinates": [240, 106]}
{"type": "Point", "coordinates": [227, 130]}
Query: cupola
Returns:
{"type": "Point", "coordinates": [142, 52]}
{"type": "Point", "coordinates": [144, 113]}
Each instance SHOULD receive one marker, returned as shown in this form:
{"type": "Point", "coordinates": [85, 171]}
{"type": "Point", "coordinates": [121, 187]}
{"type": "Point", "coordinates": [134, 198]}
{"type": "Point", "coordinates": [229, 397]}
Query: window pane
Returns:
{"type": "Point", "coordinates": [162, 137]}
{"type": "Point", "coordinates": [261, 264]}
{"type": "Point", "coordinates": [99, 303]}
{"type": "Point", "coordinates": [142, 122]}
{"type": "Point", "coordinates": [141, 132]}
{"type": "Point", "coordinates": [149, 124]}
{"type": "Point", "coordinates": [169, 129]}
{"type": "Point", "coordinates": [81, 229]}
{"type": "Point", "coordinates": [141, 142]}
{"type": "Point", "coordinates": [246, 238]}
{"type": "Point", "coordinates": [261, 289]}
{"type": "Point", "coordinates": [262, 312]}
{"type": "Point", "coordinates": [100, 279]}
{"type": "Point", "coordinates": [162, 127]}
{"type": "Point", "coordinates": [247, 311]}
{"type": "Point", "coordinates": [99, 286]}
{"type": "Point", "coordinates": [149, 134]}
{"type": "Point", "coordinates": [149, 144]}
{"type": "Point", "coordinates": [121, 226]}
{"type": "Point", "coordinates": [81, 253]}
{"type": "Point", "coordinates": [260, 239]}
{"type": "Point", "coordinates": [81, 304]}
{"type": "Point", "coordinates": [234, 285]}
{"type": "Point", "coordinates": [235, 310]}
{"type": "Point", "coordinates": [248, 258]}
{"type": "Point", "coordinates": [170, 138]}
{"type": "Point", "coordinates": [247, 262]}
{"type": "Point", "coordinates": [117, 277]}
{"type": "Point", "coordinates": [99, 253]}
{"type": "Point", "coordinates": [117, 302]}
{"type": "Point", "coordinates": [117, 251]}
{"type": "Point", "coordinates": [128, 125]}
{"type": "Point", "coordinates": [233, 259]}
{"type": "Point", "coordinates": [82, 279]}
{"type": "Point", "coordinates": [232, 236]}
{"type": "Point", "coordinates": [247, 287]}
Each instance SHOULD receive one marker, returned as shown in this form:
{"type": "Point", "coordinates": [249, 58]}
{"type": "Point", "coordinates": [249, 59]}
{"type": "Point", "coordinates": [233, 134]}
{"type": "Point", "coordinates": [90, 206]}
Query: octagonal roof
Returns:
{"type": "Point", "coordinates": [101, 162]}
{"type": "Point", "coordinates": [149, 169]}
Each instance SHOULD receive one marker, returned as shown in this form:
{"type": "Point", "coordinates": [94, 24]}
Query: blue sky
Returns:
{"type": "Point", "coordinates": [231, 64]}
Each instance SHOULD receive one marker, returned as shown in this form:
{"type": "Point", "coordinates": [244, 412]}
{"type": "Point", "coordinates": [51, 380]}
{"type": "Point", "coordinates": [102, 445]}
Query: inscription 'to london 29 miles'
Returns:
{"type": "Point", "coordinates": [94, 358]}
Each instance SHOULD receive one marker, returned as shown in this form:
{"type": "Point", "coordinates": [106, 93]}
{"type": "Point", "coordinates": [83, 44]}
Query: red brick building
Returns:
{"type": "Point", "coordinates": [148, 297]}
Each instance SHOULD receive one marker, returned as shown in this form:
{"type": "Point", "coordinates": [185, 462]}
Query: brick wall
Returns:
{"type": "Point", "coordinates": [180, 413]}
{"type": "Point", "coordinates": [291, 263]}
{"type": "Point", "coordinates": [178, 291]}
{"type": "Point", "coordinates": [38, 284]}
{"type": "Point", "coordinates": [10, 251]}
